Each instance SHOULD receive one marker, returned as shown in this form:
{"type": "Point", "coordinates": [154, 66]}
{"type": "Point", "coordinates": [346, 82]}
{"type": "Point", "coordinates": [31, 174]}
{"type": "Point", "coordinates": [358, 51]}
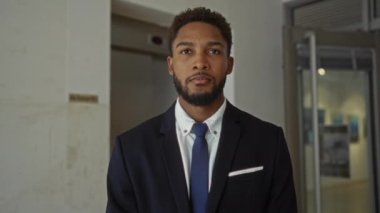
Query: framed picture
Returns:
{"type": "Point", "coordinates": [337, 119]}
{"type": "Point", "coordinates": [353, 125]}
{"type": "Point", "coordinates": [334, 151]}
{"type": "Point", "coordinates": [308, 125]}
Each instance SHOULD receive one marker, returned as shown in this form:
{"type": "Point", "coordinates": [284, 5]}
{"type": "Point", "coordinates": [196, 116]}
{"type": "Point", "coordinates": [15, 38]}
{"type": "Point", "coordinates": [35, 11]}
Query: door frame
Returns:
{"type": "Point", "coordinates": [293, 93]}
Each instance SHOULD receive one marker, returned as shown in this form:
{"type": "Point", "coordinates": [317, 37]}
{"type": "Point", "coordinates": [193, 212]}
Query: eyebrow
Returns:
{"type": "Point", "coordinates": [210, 43]}
{"type": "Point", "coordinates": [184, 43]}
{"type": "Point", "coordinates": [215, 43]}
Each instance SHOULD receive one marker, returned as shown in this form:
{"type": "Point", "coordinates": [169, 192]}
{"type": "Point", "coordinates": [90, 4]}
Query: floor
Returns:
{"type": "Point", "coordinates": [347, 198]}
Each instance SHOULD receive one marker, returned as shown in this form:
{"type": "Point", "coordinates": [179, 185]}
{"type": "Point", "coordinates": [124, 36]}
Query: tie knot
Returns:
{"type": "Point", "coordinates": [200, 129]}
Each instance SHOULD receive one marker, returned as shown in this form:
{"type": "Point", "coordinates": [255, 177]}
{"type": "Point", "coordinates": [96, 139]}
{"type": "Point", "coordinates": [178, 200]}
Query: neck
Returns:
{"type": "Point", "coordinates": [201, 113]}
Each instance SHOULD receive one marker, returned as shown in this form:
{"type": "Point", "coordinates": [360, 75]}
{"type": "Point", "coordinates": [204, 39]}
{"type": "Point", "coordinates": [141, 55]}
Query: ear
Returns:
{"type": "Point", "coordinates": [169, 61]}
{"type": "Point", "coordinates": [230, 65]}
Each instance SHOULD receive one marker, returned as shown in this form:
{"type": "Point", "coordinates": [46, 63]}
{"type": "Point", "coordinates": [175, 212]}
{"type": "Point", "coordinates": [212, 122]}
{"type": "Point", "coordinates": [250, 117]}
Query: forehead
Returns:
{"type": "Point", "coordinates": [197, 31]}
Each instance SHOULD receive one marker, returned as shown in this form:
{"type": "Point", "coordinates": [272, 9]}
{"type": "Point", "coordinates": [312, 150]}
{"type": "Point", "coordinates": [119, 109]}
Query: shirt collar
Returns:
{"type": "Point", "coordinates": [185, 122]}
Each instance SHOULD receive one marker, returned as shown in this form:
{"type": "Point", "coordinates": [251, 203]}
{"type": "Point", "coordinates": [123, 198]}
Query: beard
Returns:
{"type": "Point", "coordinates": [199, 99]}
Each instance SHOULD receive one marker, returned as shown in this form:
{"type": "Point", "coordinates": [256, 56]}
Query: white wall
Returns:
{"type": "Point", "coordinates": [258, 50]}
{"type": "Point", "coordinates": [53, 154]}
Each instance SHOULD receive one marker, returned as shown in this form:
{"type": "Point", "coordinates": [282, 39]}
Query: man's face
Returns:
{"type": "Point", "coordinates": [199, 64]}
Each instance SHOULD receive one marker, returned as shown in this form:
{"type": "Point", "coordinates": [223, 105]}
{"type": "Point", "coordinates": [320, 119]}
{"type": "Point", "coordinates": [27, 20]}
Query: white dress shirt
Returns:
{"type": "Point", "coordinates": [184, 124]}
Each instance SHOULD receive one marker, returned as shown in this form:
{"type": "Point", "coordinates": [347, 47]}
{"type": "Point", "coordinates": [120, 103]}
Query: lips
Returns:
{"type": "Point", "coordinates": [199, 79]}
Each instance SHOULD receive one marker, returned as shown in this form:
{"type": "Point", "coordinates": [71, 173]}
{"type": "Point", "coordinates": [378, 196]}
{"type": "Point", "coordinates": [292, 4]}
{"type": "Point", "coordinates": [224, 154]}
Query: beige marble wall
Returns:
{"type": "Point", "coordinates": [53, 154]}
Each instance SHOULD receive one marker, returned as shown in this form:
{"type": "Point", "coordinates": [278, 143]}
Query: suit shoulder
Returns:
{"type": "Point", "coordinates": [151, 127]}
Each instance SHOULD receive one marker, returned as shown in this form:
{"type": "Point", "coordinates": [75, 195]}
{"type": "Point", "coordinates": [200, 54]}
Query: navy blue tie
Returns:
{"type": "Point", "coordinates": [199, 170]}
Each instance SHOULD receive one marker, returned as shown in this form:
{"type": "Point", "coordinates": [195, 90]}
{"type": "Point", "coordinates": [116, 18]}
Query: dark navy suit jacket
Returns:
{"type": "Point", "coordinates": [146, 173]}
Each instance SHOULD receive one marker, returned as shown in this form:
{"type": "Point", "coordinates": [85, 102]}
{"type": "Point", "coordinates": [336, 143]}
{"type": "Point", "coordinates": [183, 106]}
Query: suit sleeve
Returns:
{"type": "Point", "coordinates": [282, 196]}
{"type": "Point", "coordinates": [121, 196]}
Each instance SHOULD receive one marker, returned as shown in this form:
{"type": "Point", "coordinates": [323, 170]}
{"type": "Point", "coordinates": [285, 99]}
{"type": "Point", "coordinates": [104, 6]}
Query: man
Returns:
{"type": "Point", "coordinates": [203, 154]}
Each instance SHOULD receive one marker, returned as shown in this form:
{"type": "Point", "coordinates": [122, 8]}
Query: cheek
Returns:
{"type": "Point", "coordinates": [179, 70]}
{"type": "Point", "coordinates": [221, 69]}
{"type": "Point", "coordinates": [177, 67]}
{"type": "Point", "coordinates": [179, 76]}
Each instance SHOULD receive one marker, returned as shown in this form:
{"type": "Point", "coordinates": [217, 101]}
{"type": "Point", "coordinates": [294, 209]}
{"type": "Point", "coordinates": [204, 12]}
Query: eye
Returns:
{"type": "Point", "coordinates": [186, 51]}
{"type": "Point", "coordinates": [214, 52]}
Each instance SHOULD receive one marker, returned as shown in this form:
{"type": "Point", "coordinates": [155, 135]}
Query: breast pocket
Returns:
{"type": "Point", "coordinates": [246, 171]}
{"type": "Point", "coordinates": [250, 174]}
{"type": "Point", "coordinates": [243, 189]}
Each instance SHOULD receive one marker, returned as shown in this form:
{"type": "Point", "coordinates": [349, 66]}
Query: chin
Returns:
{"type": "Point", "coordinates": [198, 93]}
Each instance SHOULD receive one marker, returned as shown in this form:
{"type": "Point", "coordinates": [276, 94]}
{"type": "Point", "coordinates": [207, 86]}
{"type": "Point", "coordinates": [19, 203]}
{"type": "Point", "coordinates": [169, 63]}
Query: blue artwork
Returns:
{"type": "Point", "coordinates": [353, 125]}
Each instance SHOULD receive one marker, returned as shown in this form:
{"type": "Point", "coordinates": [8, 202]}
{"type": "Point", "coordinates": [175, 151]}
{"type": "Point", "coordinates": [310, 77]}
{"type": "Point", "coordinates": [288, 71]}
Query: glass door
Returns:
{"type": "Point", "coordinates": [333, 75]}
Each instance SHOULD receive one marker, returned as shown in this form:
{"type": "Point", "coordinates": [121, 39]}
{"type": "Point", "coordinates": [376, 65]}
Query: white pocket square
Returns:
{"type": "Point", "coordinates": [245, 171]}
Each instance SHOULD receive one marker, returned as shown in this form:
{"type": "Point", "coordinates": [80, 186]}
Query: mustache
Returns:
{"type": "Point", "coordinates": [198, 75]}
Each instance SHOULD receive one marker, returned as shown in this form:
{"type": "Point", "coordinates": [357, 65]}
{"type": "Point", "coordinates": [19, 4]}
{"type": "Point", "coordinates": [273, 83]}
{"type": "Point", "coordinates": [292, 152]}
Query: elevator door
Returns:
{"type": "Point", "coordinates": [141, 87]}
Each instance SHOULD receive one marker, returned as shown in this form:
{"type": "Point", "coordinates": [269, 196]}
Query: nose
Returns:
{"type": "Point", "coordinates": [201, 62]}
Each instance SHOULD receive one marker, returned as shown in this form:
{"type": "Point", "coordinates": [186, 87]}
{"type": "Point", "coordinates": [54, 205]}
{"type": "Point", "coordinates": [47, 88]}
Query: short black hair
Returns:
{"type": "Point", "coordinates": [200, 14]}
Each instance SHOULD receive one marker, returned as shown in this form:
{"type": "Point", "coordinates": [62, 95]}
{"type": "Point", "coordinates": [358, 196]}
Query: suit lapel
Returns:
{"type": "Point", "coordinates": [173, 160]}
{"type": "Point", "coordinates": [226, 151]}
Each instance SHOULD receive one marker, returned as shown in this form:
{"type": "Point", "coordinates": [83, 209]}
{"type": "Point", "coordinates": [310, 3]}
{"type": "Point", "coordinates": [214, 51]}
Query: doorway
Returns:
{"type": "Point", "coordinates": [333, 117]}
